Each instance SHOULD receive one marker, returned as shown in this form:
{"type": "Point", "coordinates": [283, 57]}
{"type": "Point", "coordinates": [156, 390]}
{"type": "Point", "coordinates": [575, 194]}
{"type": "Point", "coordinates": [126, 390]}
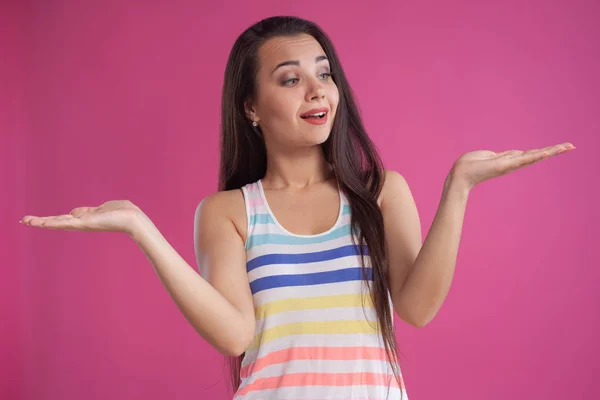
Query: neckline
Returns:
{"type": "Point", "coordinates": [272, 215]}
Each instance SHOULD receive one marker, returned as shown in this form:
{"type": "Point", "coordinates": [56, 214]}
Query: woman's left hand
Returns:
{"type": "Point", "coordinates": [478, 166]}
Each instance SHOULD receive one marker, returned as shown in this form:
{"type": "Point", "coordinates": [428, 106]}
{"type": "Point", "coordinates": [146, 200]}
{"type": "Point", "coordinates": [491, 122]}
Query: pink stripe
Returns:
{"type": "Point", "coordinates": [258, 201]}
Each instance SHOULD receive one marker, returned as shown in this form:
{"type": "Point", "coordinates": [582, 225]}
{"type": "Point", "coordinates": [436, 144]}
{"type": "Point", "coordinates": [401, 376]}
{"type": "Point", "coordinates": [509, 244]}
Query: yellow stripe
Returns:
{"type": "Point", "coordinates": [314, 327]}
{"type": "Point", "coordinates": [305, 303]}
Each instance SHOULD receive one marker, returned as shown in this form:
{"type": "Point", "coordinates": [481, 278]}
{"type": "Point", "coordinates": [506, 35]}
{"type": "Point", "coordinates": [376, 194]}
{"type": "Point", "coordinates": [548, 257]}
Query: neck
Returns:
{"type": "Point", "coordinates": [298, 170]}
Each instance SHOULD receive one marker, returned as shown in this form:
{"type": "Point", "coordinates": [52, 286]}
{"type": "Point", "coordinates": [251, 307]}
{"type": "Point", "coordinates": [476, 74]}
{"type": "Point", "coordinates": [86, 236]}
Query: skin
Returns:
{"type": "Point", "coordinates": [219, 301]}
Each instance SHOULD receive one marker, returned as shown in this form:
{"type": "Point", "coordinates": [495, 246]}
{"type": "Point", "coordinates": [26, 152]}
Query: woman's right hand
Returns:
{"type": "Point", "coordinates": [112, 216]}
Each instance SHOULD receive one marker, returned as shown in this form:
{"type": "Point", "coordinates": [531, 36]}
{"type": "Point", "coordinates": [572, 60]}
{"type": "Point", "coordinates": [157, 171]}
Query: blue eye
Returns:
{"type": "Point", "coordinates": [327, 74]}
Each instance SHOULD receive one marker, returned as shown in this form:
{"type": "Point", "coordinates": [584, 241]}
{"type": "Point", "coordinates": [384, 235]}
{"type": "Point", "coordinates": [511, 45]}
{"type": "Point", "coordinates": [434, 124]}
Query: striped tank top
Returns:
{"type": "Point", "coordinates": [313, 339]}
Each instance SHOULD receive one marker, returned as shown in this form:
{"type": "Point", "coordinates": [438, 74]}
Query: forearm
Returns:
{"type": "Point", "coordinates": [211, 314]}
{"type": "Point", "coordinates": [428, 282]}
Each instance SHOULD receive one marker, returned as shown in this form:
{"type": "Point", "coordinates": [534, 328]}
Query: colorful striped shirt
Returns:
{"type": "Point", "coordinates": [313, 339]}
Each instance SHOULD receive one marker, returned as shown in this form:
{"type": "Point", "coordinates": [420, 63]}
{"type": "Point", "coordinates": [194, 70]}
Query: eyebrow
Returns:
{"type": "Point", "coordinates": [296, 62]}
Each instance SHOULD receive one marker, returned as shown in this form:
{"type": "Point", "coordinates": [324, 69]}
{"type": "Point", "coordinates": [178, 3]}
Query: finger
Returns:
{"type": "Point", "coordinates": [557, 149]}
{"type": "Point", "coordinates": [509, 153]}
{"type": "Point", "coordinates": [46, 221]}
{"type": "Point", "coordinates": [549, 150]}
{"type": "Point", "coordinates": [534, 156]}
{"type": "Point", "coordinates": [514, 161]}
{"type": "Point", "coordinates": [81, 210]}
{"type": "Point", "coordinates": [29, 219]}
{"type": "Point", "coordinates": [63, 223]}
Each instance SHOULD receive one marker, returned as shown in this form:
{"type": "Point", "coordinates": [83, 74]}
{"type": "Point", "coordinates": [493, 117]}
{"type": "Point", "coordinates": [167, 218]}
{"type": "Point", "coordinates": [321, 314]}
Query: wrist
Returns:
{"type": "Point", "coordinates": [456, 184]}
{"type": "Point", "coordinates": [139, 224]}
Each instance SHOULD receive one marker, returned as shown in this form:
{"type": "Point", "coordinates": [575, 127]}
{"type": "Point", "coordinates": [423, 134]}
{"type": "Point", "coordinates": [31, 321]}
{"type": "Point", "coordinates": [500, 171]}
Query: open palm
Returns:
{"type": "Point", "coordinates": [112, 216]}
{"type": "Point", "coordinates": [480, 165]}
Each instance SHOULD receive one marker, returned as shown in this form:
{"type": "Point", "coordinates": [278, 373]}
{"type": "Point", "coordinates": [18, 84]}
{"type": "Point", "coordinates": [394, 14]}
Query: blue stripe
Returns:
{"type": "Point", "coordinates": [324, 255]}
{"type": "Point", "coordinates": [317, 278]}
{"type": "Point", "coordinates": [261, 219]}
{"type": "Point", "coordinates": [270, 238]}
{"type": "Point", "coordinates": [346, 209]}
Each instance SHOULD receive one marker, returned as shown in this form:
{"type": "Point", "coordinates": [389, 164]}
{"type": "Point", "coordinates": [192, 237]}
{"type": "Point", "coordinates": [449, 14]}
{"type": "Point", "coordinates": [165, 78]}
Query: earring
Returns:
{"type": "Point", "coordinates": [254, 126]}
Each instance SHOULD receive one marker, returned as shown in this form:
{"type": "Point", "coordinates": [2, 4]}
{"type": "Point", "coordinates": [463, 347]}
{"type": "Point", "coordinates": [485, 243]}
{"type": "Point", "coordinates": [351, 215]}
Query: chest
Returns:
{"type": "Point", "coordinates": [308, 213]}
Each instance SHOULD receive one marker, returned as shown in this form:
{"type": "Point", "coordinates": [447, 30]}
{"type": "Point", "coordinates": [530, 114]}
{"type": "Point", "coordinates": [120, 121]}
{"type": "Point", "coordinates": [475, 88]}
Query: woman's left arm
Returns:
{"type": "Point", "coordinates": [420, 275]}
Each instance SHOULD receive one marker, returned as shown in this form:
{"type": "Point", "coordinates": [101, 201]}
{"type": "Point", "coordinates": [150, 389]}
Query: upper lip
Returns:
{"type": "Point", "coordinates": [315, 110]}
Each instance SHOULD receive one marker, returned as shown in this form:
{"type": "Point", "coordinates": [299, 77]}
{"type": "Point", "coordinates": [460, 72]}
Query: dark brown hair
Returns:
{"type": "Point", "coordinates": [348, 149]}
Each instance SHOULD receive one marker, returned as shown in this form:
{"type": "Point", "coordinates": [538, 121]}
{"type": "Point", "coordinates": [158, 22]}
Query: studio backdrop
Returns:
{"type": "Point", "coordinates": [117, 100]}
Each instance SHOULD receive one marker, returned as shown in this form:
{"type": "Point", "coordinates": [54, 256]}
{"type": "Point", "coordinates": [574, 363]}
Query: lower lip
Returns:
{"type": "Point", "coordinates": [316, 121]}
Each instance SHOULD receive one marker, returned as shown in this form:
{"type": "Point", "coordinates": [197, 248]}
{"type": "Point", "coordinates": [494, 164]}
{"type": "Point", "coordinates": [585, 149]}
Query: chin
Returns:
{"type": "Point", "coordinates": [319, 138]}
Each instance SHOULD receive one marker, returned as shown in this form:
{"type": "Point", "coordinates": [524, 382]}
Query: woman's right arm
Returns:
{"type": "Point", "coordinates": [219, 306]}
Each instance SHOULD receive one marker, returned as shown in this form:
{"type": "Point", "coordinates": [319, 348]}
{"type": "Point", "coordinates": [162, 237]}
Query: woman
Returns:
{"type": "Point", "coordinates": [309, 245]}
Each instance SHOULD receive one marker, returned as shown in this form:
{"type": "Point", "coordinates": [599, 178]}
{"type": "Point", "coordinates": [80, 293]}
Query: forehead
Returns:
{"type": "Point", "coordinates": [302, 47]}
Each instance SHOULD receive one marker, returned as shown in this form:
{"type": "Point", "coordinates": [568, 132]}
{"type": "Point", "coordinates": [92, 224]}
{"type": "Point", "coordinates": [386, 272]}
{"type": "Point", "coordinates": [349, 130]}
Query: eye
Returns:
{"type": "Point", "coordinates": [291, 81]}
{"type": "Point", "coordinates": [287, 82]}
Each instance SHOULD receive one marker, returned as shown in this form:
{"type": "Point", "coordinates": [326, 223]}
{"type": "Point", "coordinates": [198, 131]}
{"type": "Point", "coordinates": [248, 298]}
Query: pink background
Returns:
{"type": "Point", "coordinates": [121, 101]}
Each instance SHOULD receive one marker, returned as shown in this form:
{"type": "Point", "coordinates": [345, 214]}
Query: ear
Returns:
{"type": "Point", "coordinates": [249, 110]}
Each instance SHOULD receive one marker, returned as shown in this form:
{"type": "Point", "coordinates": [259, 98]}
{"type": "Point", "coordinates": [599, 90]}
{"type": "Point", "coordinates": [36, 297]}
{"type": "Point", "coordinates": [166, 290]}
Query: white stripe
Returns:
{"type": "Point", "coordinates": [327, 392]}
{"type": "Point", "coordinates": [315, 315]}
{"type": "Point", "coordinates": [324, 366]}
{"type": "Point", "coordinates": [273, 248]}
{"type": "Point", "coordinates": [327, 289]}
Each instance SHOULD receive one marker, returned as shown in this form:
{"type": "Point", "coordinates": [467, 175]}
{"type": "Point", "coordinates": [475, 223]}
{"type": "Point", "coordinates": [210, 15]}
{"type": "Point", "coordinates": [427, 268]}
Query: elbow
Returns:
{"type": "Point", "coordinates": [230, 352]}
{"type": "Point", "coordinates": [236, 349]}
{"type": "Point", "coordinates": [237, 345]}
{"type": "Point", "coordinates": [415, 319]}
{"type": "Point", "coordinates": [420, 324]}
{"type": "Point", "coordinates": [416, 322]}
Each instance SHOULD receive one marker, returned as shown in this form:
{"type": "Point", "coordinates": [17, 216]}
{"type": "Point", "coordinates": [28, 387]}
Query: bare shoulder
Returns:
{"type": "Point", "coordinates": [394, 186]}
{"type": "Point", "coordinates": [224, 206]}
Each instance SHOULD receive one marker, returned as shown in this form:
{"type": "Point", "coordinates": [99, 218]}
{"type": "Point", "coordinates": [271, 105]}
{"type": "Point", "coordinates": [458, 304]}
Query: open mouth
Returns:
{"type": "Point", "coordinates": [319, 115]}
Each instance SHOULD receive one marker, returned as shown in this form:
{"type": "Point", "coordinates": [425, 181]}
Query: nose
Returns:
{"type": "Point", "coordinates": [315, 90]}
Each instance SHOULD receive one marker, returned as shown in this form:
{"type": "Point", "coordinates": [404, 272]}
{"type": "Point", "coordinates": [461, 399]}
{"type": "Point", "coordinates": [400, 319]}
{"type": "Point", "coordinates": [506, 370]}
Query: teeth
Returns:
{"type": "Point", "coordinates": [320, 114]}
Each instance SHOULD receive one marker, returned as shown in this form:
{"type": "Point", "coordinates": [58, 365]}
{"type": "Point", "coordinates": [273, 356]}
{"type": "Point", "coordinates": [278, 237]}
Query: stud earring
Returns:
{"type": "Point", "coordinates": [255, 128]}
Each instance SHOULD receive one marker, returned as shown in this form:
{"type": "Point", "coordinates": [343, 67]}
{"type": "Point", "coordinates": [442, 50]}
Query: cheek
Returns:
{"type": "Point", "coordinates": [335, 98]}
{"type": "Point", "coordinates": [287, 107]}
{"type": "Point", "coordinates": [279, 106]}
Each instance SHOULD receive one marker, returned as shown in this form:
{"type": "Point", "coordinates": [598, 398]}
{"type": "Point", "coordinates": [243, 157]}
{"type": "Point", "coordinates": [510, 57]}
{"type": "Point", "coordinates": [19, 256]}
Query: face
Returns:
{"type": "Point", "coordinates": [294, 78]}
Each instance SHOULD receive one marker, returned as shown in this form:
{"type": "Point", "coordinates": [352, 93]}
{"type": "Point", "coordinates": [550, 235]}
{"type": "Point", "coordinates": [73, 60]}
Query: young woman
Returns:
{"type": "Point", "coordinates": [309, 245]}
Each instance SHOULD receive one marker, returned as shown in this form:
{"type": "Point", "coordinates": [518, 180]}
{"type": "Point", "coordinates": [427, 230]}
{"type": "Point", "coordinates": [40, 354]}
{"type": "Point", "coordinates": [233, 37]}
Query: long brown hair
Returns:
{"type": "Point", "coordinates": [348, 149]}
